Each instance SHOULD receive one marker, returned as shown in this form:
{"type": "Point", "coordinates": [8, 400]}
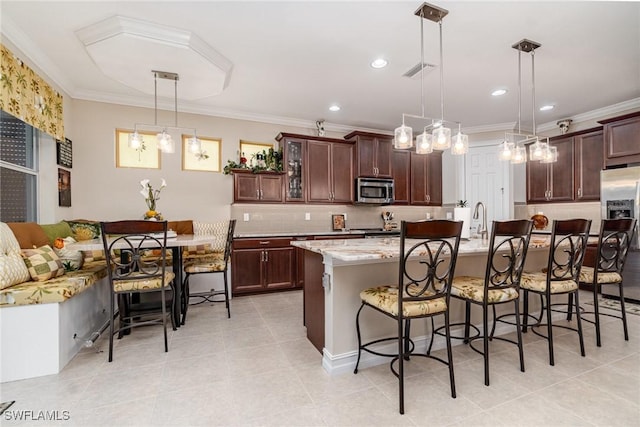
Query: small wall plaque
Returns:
{"type": "Point", "coordinates": [64, 153]}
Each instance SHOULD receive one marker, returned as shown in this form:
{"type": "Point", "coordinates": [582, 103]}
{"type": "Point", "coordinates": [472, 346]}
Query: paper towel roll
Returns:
{"type": "Point", "coordinates": [464, 215]}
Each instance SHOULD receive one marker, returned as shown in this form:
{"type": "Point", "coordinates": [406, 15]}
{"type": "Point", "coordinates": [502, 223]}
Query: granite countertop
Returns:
{"type": "Point", "coordinates": [350, 250]}
{"type": "Point", "coordinates": [298, 234]}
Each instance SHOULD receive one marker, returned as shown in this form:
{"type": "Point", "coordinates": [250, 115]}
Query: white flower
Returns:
{"type": "Point", "coordinates": [144, 183]}
{"type": "Point", "coordinates": [164, 184]}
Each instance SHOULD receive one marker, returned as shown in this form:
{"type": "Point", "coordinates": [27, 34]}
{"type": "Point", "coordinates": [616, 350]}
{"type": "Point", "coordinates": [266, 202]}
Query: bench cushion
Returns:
{"type": "Point", "coordinates": [12, 267]}
{"type": "Point", "coordinates": [57, 290]}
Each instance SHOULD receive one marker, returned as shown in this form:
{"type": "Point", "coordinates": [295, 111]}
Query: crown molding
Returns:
{"type": "Point", "coordinates": [596, 114]}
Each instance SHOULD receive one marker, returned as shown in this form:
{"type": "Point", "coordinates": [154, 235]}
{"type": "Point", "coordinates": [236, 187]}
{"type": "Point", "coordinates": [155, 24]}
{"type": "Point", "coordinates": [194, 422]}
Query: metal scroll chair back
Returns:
{"type": "Point", "coordinates": [614, 241]}
{"type": "Point", "coordinates": [136, 259]}
{"type": "Point", "coordinates": [568, 248]}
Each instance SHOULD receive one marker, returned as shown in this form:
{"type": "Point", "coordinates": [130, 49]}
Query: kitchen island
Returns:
{"type": "Point", "coordinates": [337, 270]}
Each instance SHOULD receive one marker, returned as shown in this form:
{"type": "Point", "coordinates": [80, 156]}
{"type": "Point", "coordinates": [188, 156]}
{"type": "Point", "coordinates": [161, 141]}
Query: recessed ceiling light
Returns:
{"type": "Point", "coordinates": [379, 63]}
{"type": "Point", "coordinates": [498, 92]}
{"type": "Point", "coordinates": [547, 107]}
{"type": "Point", "coordinates": [334, 107]}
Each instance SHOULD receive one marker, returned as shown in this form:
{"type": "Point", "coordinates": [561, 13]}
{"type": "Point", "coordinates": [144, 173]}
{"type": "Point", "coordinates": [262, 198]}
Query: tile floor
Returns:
{"type": "Point", "coordinates": [258, 369]}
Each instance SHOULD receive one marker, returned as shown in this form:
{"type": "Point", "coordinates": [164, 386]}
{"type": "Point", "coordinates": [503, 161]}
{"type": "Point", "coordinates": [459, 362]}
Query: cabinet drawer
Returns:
{"type": "Point", "coordinates": [277, 242]}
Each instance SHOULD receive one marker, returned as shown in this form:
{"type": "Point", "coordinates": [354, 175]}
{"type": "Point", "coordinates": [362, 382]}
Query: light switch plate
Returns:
{"type": "Point", "coordinates": [245, 217]}
{"type": "Point", "coordinates": [307, 216]}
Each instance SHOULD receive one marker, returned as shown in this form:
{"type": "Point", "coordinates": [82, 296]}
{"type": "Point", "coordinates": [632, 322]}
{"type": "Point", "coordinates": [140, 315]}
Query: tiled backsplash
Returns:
{"type": "Point", "coordinates": [284, 218]}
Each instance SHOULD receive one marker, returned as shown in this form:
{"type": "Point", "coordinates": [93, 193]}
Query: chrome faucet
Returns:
{"type": "Point", "coordinates": [482, 229]}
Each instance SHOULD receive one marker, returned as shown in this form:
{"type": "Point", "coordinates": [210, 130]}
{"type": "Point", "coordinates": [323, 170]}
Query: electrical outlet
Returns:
{"type": "Point", "coordinates": [245, 217]}
{"type": "Point", "coordinates": [345, 216]}
{"type": "Point", "coordinates": [307, 216]}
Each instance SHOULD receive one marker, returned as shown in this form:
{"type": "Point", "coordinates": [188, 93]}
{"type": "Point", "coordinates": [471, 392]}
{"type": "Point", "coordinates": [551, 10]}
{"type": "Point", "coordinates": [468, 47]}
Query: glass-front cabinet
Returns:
{"type": "Point", "coordinates": [293, 164]}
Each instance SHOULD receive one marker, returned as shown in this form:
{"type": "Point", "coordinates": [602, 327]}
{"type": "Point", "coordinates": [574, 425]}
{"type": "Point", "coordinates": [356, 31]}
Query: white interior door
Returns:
{"type": "Point", "coordinates": [488, 181]}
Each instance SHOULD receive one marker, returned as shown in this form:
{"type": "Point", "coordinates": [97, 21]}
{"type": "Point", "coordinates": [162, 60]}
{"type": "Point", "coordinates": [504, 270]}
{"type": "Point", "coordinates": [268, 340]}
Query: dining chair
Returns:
{"type": "Point", "coordinates": [500, 285]}
{"type": "Point", "coordinates": [428, 253]}
{"type": "Point", "coordinates": [136, 253]}
{"type": "Point", "coordinates": [208, 262]}
{"type": "Point", "coordinates": [567, 249]}
{"type": "Point", "coordinates": [614, 240]}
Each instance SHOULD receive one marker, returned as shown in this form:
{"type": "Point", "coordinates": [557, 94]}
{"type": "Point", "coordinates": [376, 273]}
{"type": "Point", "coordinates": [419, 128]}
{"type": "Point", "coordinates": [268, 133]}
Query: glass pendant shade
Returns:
{"type": "Point", "coordinates": [519, 155]}
{"type": "Point", "coordinates": [505, 153]}
{"type": "Point", "coordinates": [194, 144]}
{"type": "Point", "coordinates": [424, 143]}
{"type": "Point", "coordinates": [441, 138]}
{"type": "Point", "coordinates": [460, 144]}
{"type": "Point", "coordinates": [403, 137]}
{"type": "Point", "coordinates": [135, 140]}
{"type": "Point", "coordinates": [550, 155]}
{"type": "Point", "coordinates": [537, 150]}
{"type": "Point", "coordinates": [165, 142]}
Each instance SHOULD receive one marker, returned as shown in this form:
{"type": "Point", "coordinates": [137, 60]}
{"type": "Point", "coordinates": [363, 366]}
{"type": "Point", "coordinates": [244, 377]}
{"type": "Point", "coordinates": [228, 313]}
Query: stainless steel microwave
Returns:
{"type": "Point", "coordinates": [374, 191]}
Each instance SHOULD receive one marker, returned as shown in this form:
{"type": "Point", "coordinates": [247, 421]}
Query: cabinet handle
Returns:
{"type": "Point", "coordinates": [580, 192]}
{"type": "Point", "coordinates": [428, 198]}
{"type": "Point", "coordinates": [265, 242]}
{"type": "Point", "coordinates": [258, 194]}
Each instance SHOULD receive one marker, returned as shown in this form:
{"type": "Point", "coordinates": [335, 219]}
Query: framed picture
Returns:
{"type": "Point", "coordinates": [249, 149]}
{"type": "Point", "coordinates": [147, 156]}
{"type": "Point", "coordinates": [64, 153]}
{"type": "Point", "coordinates": [207, 160]}
{"type": "Point", "coordinates": [64, 187]}
{"type": "Point", "coordinates": [338, 222]}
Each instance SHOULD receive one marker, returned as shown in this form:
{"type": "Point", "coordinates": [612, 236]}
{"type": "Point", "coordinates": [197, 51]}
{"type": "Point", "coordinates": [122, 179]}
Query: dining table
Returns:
{"type": "Point", "coordinates": [176, 242]}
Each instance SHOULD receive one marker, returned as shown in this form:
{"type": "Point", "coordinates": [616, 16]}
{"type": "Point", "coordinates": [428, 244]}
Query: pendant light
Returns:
{"type": "Point", "coordinates": [165, 141]}
{"type": "Point", "coordinates": [435, 135]}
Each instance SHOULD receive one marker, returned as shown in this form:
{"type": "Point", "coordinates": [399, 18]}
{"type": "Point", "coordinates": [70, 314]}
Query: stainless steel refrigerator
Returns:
{"type": "Point", "coordinates": [620, 198]}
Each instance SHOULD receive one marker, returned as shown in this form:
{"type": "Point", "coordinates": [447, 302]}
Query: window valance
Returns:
{"type": "Point", "coordinates": [26, 95]}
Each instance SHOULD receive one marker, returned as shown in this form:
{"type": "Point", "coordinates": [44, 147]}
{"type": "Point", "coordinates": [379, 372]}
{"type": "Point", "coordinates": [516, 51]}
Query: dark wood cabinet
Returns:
{"type": "Point", "coordinates": [589, 161]}
{"type": "Point", "coordinates": [426, 179]}
{"type": "Point", "coordinates": [329, 172]}
{"type": "Point", "coordinates": [259, 187]}
{"type": "Point", "coordinates": [259, 265]}
{"type": "Point", "coordinates": [401, 172]}
{"type": "Point", "coordinates": [372, 154]}
{"type": "Point", "coordinates": [576, 174]}
{"type": "Point", "coordinates": [622, 139]}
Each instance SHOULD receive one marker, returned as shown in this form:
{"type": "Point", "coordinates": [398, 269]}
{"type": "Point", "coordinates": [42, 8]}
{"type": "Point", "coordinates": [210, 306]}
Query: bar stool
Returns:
{"type": "Point", "coordinates": [500, 284]}
{"type": "Point", "coordinates": [566, 254]}
{"type": "Point", "coordinates": [614, 240]}
{"type": "Point", "coordinates": [428, 253]}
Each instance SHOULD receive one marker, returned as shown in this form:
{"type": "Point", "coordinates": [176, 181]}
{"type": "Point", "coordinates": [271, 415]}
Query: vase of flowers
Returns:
{"type": "Point", "coordinates": [151, 197]}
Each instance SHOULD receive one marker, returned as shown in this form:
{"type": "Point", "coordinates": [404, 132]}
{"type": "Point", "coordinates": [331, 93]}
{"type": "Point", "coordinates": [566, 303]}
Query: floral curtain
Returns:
{"type": "Point", "coordinates": [25, 95]}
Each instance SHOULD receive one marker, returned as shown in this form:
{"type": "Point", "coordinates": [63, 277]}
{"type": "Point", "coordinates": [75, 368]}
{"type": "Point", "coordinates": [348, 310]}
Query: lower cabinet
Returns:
{"type": "Point", "coordinates": [259, 265]}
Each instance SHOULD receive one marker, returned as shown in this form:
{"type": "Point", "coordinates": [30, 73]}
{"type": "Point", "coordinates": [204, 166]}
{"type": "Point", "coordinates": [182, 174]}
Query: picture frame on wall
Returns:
{"type": "Point", "coordinates": [64, 188]}
{"type": "Point", "coordinates": [338, 222]}
{"type": "Point", "coordinates": [207, 160]}
{"type": "Point", "coordinates": [64, 153]}
{"type": "Point", "coordinates": [147, 156]}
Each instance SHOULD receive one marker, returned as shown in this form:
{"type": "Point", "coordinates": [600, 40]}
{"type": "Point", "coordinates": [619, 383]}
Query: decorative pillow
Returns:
{"type": "Point", "coordinates": [43, 263]}
{"type": "Point", "coordinates": [97, 255]}
{"type": "Point", "coordinates": [12, 267]}
{"type": "Point", "coordinates": [181, 227]}
{"type": "Point", "coordinates": [53, 231]}
{"type": "Point", "coordinates": [84, 230]}
{"type": "Point", "coordinates": [29, 234]}
{"type": "Point", "coordinates": [219, 229]}
{"type": "Point", "coordinates": [71, 260]}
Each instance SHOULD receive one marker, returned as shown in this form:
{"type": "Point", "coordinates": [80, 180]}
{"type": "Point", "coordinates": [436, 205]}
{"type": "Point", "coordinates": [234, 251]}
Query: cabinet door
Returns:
{"type": "Point", "coordinates": [434, 178]}
{"type": "Point", "coordinates": [562, 172]}
{"type": "Point", "coordinates": [246, 271]}
{"type": "Point", "coordinates": [537, 182]}
{"type": "Point", "coordinates": [418, 179]}
{"type": "Point", "coordinates": [342, 173]}
{"type": "Point", "coordinates": [318, 171]}
{"type": "Point", "coordinates": [294, 164]}
{"type": "Point", "coordinates": [271, 188]}
{"type": "Point", "coordinates": [623, 141]}
{"type": "Point", "coordinates": [279, 268]}
{"type": "Point", "coordinates": [384, 150]}
{"type": "Point", "coordinates": [366, 156]}
{"type": "Point", "coordinates": [246, 187]}
{"type": "Point", "coordinates": [401, 176]}
{"type": "Point", "coordinates": [589, 162]}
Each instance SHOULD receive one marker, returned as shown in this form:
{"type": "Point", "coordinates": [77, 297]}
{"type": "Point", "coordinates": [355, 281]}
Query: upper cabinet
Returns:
{"type": "Point", "coordinates": [426, 179]}
{"type": "Point", "coordinates": [401, 168]}
{"type": "Point", "coordinates": [259, 187]}
{"type": "Point", "coordinates": [372, 154]}
{"type": "Point", "coordinates": [575, 177]}
{"type": "Point", "coordinates": [318, 169]}
{"type": "Point", "coordinates": [622, 139]}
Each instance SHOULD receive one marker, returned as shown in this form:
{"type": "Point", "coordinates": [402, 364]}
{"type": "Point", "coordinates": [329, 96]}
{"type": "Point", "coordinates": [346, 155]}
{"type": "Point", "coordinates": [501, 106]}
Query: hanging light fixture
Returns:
{"type": "Point", "coordinates": [515, 151]}
{"type": "Point", "coordinates": [435, 135]}
{"type": "Point", "coordinates": [165, 141]}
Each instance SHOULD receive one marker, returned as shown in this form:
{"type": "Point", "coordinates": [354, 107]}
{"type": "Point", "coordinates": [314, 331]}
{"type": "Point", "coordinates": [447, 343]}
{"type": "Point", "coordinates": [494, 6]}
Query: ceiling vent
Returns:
{"type": "Point", "coordinates": [415, 70]}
